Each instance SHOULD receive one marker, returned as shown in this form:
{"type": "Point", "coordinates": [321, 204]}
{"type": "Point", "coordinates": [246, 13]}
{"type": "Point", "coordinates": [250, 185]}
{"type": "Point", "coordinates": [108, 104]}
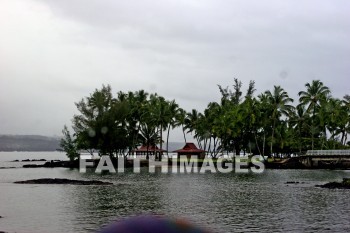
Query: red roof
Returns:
{"type": "Point", "coordinates": [143, 148]}
{"type": "Point", "coordinates": [189, 148]}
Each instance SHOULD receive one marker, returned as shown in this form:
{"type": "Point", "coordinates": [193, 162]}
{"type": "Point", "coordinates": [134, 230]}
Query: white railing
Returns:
{"type": "Point", "coordinates": [327, 152]}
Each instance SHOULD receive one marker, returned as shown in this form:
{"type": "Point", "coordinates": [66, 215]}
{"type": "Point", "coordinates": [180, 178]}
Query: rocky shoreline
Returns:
{"type": "Point", "coordinates": [55, 163]}
{"type": "Point", "coordinates": [30, 160]}
{"type": "Point", "coordinates": [289, 163]}
{"type": "Point", "coordinates": [345, 184]}
{"type": "Point", "coordinates": [63, 181]}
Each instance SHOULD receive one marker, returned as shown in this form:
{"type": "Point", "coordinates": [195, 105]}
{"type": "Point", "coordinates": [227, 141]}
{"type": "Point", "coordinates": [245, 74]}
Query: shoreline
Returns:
{"type": "Point", "coordinates": [289, 163]}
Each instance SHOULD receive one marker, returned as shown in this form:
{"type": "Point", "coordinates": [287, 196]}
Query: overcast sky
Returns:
{"type": "Point", "coordinates": [54, 52]}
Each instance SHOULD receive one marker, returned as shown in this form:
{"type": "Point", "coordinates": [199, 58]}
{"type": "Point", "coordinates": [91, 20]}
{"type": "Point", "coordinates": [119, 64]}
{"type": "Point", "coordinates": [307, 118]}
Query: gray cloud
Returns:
{"type": "Point", "coordinates": [52, 53]}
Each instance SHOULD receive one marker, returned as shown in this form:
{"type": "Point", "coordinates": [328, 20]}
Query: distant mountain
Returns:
{"type": "Point", "coordinates": [43, 143]}
{"type": "Point", "coordinates": [28, 143]}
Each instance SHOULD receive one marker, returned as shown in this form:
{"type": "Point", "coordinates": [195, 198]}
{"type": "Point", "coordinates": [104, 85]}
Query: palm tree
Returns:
{"type": "Point", "coordinates": [213, 114]}
{"type": "Point", "coordinates": [180, 120]}
{"type": "Point", "coordinates": [264, 112]}
{"type": "Point", "coordinates": [101, 100]}
{"type": "Point", "coordinates": [149, 136]}
{"type": "Point", "coordinates": [315, 93]}
{"type": "Point", "coordinates": [192, 123]}
{"type": "Point", "coordinates": [161, 116]}
{"type": "Point", "coordinates": [337, 120]}
{"type": "Point", "coordinates": [172, 113]}
{"type": "Point", "coordinates": [201, 132]}
{"type": "Point", "coordinates": [346, 111]}
{"type": "Point", "coordinates": [138, 105]}
{"type": "Point", "coordinates": [191, 120]}
{"type": "Point", "coordinates": [279, 101]}
{"type": "Point", "coordinates": [298, 121]}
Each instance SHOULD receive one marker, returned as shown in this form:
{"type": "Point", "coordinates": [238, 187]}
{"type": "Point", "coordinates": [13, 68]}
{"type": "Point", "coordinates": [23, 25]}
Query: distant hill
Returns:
{"type": "Point", "coordinates": [43, 143]}
{"type": "Point", "coordinates": [28, 143]}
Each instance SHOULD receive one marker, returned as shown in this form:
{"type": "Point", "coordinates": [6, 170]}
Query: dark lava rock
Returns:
{"type": "Point", "coordinates": [28, 160]}
{"type": "Point", "coordinates": [53, 163]}
{"type": "Point", "coordinates": [336, 185]}
{"type": "Point", "coordinates": [67, 164]}
{"type": "Point", "coordinates": [32, 165]}
{"type": "Point", "coordinates": [63, 181]}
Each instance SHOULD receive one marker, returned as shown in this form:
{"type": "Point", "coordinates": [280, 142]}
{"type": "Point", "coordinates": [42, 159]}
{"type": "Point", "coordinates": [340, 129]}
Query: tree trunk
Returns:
{"type": "Point", "coordinates": [342, 137]}
{"type": "Point", "coordinates": [257, 145]}
{"type": "Point", "coordinates": [199, 143]}
{"type": "Point", "coordinates": [216, 142]}
{"type": "Point", "coordinates": [147, 153]}
{"type": "Point", "coordinates": [183, 130]}
{"type": "Point", "coordinates": [300, 139]}
{"type": "Point", "coordinates": [272, 136]}
{"type": "Point", "coordinates": [136, 136]}
{"type": "Point", "coordinates": [209, 147]}
{"type": "Point", "coordinates": [167, 140]}
{"type": "Point", "coordinates": [264, 144]}
{"type": "Point", "coordinates": [313, 128]}
{"type": "Point", "coordinates": [161, 143]}
{"type": "Point", "coordinates": [237, 149]}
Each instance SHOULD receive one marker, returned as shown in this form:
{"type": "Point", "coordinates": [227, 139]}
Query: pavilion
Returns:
{"type": "Point", "coordinates": [151, 150]}
{"type": "Point", "coordinates": [190, 149]}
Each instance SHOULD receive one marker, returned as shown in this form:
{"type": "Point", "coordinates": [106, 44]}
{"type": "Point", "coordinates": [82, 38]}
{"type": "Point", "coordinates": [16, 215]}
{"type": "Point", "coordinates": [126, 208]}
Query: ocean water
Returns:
{"type": "Point", "coordinates": [220, 202]}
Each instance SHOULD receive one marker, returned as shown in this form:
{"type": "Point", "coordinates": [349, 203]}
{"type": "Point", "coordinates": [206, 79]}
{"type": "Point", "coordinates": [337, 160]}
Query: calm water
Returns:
{"type": "Point", "coordinates": [221, 202]}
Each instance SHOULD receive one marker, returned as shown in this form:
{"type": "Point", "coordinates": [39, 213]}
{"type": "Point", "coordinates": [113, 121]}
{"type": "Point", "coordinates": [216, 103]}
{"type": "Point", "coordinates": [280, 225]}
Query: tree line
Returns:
{"type": "Point", "coordinates": [269, 124]}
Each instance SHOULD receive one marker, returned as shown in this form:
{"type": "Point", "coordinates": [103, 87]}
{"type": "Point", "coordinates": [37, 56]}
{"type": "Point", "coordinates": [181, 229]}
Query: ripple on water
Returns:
{"type": "Point", "coordinates": [221, 202]}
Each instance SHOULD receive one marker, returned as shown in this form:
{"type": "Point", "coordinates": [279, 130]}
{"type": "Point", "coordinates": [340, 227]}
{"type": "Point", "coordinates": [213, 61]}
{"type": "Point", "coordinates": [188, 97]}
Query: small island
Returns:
{"type": "Point", "coordinates": [268, 124]}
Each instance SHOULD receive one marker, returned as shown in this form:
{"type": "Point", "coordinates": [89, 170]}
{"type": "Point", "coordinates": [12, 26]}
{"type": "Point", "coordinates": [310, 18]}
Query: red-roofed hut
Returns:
{"type": "Point", "coordinates": [190, 149]}
{"type": "Point", "coordinates": [151, 150]}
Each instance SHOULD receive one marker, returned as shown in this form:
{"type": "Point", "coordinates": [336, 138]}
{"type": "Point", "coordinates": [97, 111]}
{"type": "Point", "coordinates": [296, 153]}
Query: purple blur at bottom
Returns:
{"type": "Point", "coordinates": [152, 224]}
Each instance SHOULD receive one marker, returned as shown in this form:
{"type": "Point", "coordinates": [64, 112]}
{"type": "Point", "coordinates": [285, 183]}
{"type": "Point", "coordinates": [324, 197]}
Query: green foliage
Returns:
{"type": "Point", "coordinates": [238, 122]}
{"type": "Point", "coordinates": [251, 123]}
{"type": "Point", "coordinates": [68, 144]}
{"type": "Point", "coordinates": [116, 126]}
